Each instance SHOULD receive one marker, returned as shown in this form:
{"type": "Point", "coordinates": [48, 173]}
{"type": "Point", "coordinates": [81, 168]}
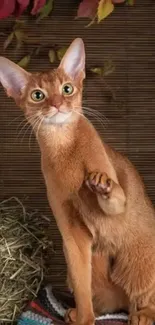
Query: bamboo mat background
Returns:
{"type": "Point", "coordinates": [128, 38]}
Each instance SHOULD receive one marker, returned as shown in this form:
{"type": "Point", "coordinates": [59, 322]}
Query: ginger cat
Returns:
{"type": "Point", "coordinates": [105, 218]}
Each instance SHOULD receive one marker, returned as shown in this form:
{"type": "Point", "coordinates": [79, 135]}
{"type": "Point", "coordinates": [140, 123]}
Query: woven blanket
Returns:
{"type": "Point", "coordinates": [50, 307]}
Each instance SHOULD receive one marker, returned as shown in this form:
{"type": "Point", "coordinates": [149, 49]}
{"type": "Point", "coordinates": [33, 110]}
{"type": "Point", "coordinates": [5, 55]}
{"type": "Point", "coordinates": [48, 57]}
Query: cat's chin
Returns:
{"type": "Point", "coordinates": [58, 118]}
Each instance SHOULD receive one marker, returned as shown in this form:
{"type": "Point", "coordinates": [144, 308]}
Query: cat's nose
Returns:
{"type": "Point", "coordinates": [56, 101]}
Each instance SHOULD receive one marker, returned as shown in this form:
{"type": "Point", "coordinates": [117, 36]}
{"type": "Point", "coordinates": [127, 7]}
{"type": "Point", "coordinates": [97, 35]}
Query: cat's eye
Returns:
{"type": "Point", "coordinates": [67, 89]}
{"type": "Point", "coordinates": [37, 95]}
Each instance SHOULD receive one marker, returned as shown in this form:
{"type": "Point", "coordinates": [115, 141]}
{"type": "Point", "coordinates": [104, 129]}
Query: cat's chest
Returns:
{"type": "Point", "coordinates": [62, 176]}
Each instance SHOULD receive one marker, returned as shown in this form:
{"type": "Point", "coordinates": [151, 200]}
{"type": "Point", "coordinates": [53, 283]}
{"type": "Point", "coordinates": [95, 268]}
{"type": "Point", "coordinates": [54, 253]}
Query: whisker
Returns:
{"type": "Point", "coordinates": [39, 126]}
{"type": "Point", "coordinates": [92, 113]}
{"type": "Point", "coordinates": [33, 128]}
{"type": "Point", "coordinates": [96, 112]}
{"type": "Point", "coordinates": [98, 118]}
{"type": "Point", "coordinates": [30, 122]}
{"type": "Point", "coordinates": [16, 118]}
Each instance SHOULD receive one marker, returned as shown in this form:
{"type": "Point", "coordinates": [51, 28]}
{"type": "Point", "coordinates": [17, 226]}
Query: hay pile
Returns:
{"type": "Point", "coordinates": [23, 244]}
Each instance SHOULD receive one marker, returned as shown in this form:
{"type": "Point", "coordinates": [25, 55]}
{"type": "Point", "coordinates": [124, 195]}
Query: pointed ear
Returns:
{"type": "Point", "coordinates": [73, 62]}
{"type": "Point", "coordinates": [12, 77]}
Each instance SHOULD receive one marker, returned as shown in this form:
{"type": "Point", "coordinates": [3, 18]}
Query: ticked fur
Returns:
{"type": "Point", "coordinates": [108, 235]}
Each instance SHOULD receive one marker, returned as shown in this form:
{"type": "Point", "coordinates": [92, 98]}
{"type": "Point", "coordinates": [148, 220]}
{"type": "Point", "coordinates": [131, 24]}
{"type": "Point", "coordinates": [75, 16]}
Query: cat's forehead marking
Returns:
{"type": "Point", "coordinates": [48, 80]}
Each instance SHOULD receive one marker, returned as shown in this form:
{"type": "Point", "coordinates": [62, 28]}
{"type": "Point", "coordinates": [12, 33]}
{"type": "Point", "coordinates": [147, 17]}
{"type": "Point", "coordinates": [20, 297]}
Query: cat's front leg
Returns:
{"type": "Point", "coordinates": [77, 243]}
{"type": "Point", "coordinates": [110, 195]}
{"type": "Point", "coordinates": [77, 248]}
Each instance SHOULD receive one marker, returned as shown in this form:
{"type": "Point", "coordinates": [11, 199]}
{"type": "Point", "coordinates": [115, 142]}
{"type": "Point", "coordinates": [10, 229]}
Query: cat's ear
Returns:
{"type": "Point", "coordinates": [73, 62]}
{"type": "Point", "coordinates": [12, 77]}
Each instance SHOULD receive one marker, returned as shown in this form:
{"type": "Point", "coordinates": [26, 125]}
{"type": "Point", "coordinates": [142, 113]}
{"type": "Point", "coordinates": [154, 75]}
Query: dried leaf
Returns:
{"type": "Point", "coordinates": [24, 61]}
{"type": "Point", "coordinates": [38, 4]}
{"type": "Point", "coordinates": [105, 8]}
{"type": "Point", "coordinates": [8, 41]}
{"type": "Point", "coordinates": [52, 56]}
{"type": "Point", "coordinates": [46, 10]}
{"type": "Point", "coordinates": [61, 52]}
{"type": "Point", "coordinates": [87, 8]}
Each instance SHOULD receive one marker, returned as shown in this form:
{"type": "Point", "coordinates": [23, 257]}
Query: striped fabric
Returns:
{"type": "Point", "coordinates": [50, 307]}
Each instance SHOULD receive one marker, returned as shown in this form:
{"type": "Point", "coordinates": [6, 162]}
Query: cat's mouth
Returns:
{"type": "Point", "coordinates": [57, 118]}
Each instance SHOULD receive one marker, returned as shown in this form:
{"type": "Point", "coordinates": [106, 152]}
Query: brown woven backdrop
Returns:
{"type": "Point", "coordinates": [128, 38]}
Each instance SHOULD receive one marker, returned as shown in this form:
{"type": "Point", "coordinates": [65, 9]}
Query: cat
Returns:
{"type": "Point", "coordinates": [104, 215]}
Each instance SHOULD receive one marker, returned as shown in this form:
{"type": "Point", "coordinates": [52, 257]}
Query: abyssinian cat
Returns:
{"type": "Point", "coordinates": [105, 218]}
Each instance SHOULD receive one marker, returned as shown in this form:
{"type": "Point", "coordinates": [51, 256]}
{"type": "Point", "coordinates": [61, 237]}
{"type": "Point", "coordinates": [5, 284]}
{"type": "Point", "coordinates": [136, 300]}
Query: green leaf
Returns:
{"type": "Point", "coordinates": [108, 68]}
{"type": "Point", "coordinates": [24, 61]}
{"type": "Point", "coordinates": [98, 71]}
{"type": "Point", "coordinates": [130, 2]}
{"type": "Point", "coordinates": [8, 41]}
{"type": "Point", "coordinates": [20, 37]}
{"type": "Point", "coordinates": [18, 24]}
{"type": "Point", "coordinates": [105, 8]}
{"type": "Point", "coordinates": [104, 71]}
{"type": "Point", "coordinates": [46, 10]}
{"type": "Point", "coordinates": [61, 52]}
{"type": "Point", "coordinates": [52, 56]}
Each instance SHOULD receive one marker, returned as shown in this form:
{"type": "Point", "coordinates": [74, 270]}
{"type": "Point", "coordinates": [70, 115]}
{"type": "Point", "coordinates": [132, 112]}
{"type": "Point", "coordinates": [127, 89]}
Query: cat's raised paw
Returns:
{"type": "Point", "coordinates": [99, 183]}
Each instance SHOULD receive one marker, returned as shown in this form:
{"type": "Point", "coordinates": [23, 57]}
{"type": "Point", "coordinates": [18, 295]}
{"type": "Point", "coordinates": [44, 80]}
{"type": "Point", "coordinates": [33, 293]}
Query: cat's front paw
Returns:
{"type": "Point", "coordinates": [99, 183]}
{"type": "Point", "coordinates": [139, 320]}
{"type": "Point", "coordinates": [71, 318]}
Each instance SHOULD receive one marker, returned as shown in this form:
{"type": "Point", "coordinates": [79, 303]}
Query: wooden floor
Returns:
{"type": "Point", "coordinates": [128, 38]}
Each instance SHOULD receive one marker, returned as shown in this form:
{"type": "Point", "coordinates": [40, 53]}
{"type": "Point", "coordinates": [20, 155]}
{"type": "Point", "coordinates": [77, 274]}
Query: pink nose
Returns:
{"type": "Point", "coordinates": [55, 101]}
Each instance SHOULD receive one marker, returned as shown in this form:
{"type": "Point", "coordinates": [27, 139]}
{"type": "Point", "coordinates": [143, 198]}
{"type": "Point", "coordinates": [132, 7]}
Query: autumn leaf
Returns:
{"type": "Point", "coordinates": [21, 5]}
{"type": "Point", "coordinates": [46, 10]}
{"type": "Point", "coordinates": [61, 52]}
{"type": "Point", "coordinates": [7, 8]}
{"type": "Point", "coordinates": [105, 8]}
{"type": "Point", "coordinates": [8, 41]}
{"type": "Point", "coordinates": [38, 4]}
{"type": "Point", "coordinates": [87, 8]}
{"type": "Point", "coordinates": [24, 61]}
{"type": "Point", "coordinates": [52, 56]}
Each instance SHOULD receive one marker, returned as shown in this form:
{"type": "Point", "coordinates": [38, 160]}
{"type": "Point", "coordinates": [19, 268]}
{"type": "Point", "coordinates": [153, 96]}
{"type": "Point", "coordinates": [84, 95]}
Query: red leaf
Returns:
{"type": "Point", "coordinates": [6, 8]}
{"type": "Point", "coordinates": [87, 8]}
{"type": "Point", "coordinates": [38, 4]}
{"type": "Point", "coordinates": [21, 5]}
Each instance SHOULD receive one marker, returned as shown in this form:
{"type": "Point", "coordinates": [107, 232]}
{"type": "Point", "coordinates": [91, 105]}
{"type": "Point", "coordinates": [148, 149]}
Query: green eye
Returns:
{"type": "Point", "coordinates": [37, 95]}
{"type": "Point", "coordinates": [67, 89]}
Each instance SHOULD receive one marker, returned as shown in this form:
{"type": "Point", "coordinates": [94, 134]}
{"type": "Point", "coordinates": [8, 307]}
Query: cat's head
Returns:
{"type": "Point", "coordinates": [53, 97]}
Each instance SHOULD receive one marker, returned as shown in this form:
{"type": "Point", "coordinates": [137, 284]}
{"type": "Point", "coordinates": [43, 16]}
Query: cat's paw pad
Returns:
{"type": "Point", "coordinates": [99, 183]}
